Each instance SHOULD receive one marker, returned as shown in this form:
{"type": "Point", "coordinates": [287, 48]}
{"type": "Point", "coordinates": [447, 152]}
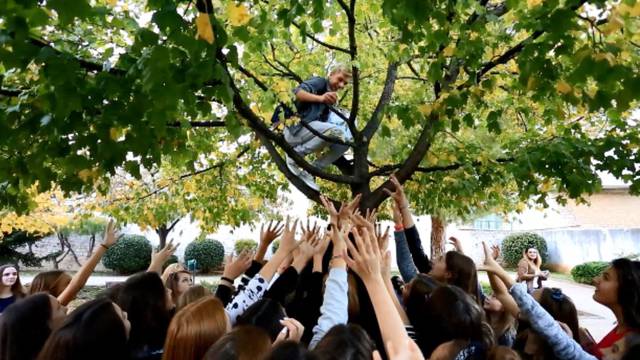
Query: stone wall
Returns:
{"type": "Point", "coordinates": [50, 244]}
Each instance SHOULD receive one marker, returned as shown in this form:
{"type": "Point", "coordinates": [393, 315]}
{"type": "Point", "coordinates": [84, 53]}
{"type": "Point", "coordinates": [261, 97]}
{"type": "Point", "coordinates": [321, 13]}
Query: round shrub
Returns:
{"type": "Point", "coordinates": [515, 244]}
{"type": "Point", "coordinates": [208, 254]}
{"type": "Point", "coordinates": [585, 273]}
{"type": "Point", "coordinates": [132, 253]}
{"type": "Point", "coordinates": [242, 245]}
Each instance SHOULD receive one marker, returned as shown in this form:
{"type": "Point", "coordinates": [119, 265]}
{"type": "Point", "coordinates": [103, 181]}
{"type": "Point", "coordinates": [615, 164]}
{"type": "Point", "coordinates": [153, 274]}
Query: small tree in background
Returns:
{"type": "Point", "coordinates": [245, 244]}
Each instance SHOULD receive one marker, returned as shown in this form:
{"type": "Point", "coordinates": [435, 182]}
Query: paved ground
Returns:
{"type": "Point", "coordinates": [595, 317]}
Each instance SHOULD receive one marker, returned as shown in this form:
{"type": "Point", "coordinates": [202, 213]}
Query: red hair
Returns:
{"type": "Point", "coordinates": [194, 329]}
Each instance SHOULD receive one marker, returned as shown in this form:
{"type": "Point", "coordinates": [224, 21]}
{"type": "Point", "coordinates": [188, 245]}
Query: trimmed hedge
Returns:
{"type": "Point", "coordinates": [132, 253]}
{"type": "Point", "coordinates": [515, 244]}
{"type": "Point", "coordinates": [242, 245]}
{"type": "Point", "coordinates": [208, 254]}
{"type": "Point", "coordinates": [585, 273]}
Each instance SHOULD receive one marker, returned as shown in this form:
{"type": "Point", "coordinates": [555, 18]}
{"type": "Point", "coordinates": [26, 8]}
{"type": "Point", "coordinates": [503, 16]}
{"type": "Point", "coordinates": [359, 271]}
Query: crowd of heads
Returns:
{"type": "Point", "coordinates": [324, 294]}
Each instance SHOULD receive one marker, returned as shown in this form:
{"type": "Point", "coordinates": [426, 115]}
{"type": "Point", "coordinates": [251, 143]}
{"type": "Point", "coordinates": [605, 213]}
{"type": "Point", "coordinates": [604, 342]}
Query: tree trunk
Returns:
{"type": "Point", "coordinates": [162, 232]}
{"type": "Point", "coordinates": [92, 244]}
{"type": "Point", "coordinates": [438, 226]}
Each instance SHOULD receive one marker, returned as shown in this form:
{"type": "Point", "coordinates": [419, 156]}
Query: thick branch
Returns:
{"type": "Point", "coordinates": [410, 165]}
{"type": "Point", "coordinates": [173, 224]}
{"type": "Point", "coordinates": [328, 46]}
{"type": "Point", "coordinates": [248, 74]}
{"type": "Point", "coordinates": [199, 124]}
{"type": "Point", "coordinates": [376, 118]}
{"type": "Point", "coordinates": [10, 92]}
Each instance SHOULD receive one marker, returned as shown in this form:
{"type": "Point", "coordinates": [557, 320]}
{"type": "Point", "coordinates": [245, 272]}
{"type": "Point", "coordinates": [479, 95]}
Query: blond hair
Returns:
{"type": "Point", "coordinates": [343, 68]}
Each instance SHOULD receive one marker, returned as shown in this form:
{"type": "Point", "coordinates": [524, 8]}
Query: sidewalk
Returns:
{"type": "Point", "coordinates": [593, 316]}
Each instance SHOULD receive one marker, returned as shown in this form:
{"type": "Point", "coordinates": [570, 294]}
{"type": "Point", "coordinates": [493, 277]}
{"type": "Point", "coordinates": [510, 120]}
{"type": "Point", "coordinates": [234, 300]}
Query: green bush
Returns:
{"type": "Point", "coordinates": [130, 254]}
{"type": "Point", "coordinates": [515, 244]}
{"type": "Point", "coordinates": [208, 254]}
{"type": "Point", "coordinates": [275, 245]}
{"type": "Point", "coordinates": [585, 273]}
{"type": "Point", "coordinates": [247, 244]}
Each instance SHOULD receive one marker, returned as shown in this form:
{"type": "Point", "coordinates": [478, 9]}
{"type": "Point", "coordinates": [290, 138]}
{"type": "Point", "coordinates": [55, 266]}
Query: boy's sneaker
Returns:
{"type": "Point", "coordinates": [303, 175]}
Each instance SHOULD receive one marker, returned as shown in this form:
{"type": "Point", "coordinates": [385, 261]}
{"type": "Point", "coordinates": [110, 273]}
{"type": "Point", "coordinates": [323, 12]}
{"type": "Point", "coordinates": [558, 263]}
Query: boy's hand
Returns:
{"type": "Point", "coordinates": [329, 98]}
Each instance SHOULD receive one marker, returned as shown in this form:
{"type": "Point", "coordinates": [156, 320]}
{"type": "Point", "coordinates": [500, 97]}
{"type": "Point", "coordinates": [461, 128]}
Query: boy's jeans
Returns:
{"type": "Point", "coordinates": [304, 142]}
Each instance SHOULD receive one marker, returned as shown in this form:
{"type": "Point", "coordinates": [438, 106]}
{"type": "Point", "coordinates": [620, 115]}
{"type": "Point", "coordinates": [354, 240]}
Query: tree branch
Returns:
{"type": "Point", "coordinates": [85, 64]}
{"type": "Point", "coordinates": [376, 118]}
{"type": "Point", "coordinates": [10, 92]}
{"type": "Point", "coordinates": [328, 46]}
{"type": "Point", "coordinates": [387, 170]}
{"type": "Point", "coordinates": [173, 224]}
{"type": "Point", "coordinates": [199, 124]}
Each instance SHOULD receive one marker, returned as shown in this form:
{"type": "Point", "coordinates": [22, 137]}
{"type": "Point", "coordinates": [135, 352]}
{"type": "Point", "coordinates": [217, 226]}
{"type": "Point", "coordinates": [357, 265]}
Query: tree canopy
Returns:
{"type": "Point", "coordinates": [483, 104]}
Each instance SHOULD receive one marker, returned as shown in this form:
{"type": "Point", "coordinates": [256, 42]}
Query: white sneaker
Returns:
{"type": "Point", "coordinates": [302, 174]}
{"type": "Point", "coordinates": [293, 167]}
{"type": "Point", "coordinates": [308, 179]}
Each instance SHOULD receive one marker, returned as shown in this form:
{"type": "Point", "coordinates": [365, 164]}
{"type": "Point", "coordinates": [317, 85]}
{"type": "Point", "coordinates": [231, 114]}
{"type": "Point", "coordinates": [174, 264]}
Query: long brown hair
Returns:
{"type": "Point", "coordinates": [245, 342]}
{"type": "Point", "coordinates": [463, 274]}
{"type": "Point", "coordinates": [16, 289]}
{"type": "Point", "coordinates": [192, 295]}
{"type": "Point", "coordinates": [172, 284]}
{"type": "Point", "coordinates": [53, 282]}
{"type": "Point", "coordinates": [194, 329]}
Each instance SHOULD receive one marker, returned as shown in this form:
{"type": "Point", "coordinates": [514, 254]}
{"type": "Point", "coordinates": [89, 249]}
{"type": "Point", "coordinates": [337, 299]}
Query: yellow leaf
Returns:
{"type": "Point", "coordinates": [85, 174]}
{"type": "Point", "coordinates": [112, 2]}
{"type": "Point", "coordinates": [238, 14]}
{"type": "Point", "coordinates": [189, 187]}
{"type": "Point", "coordinates": [425, 109]}
{"type": "Point", "coordinates": [114, 134]}
{"type": "Point", "coordinates": [624, 9]}
{"type": "Point", "coordinates": [532, 83]}
{"type": "Point", "coordinates": [614, 23]}
{"type": "Point", "coordinates": [605, 56]}
{"type": "Point", "coordinates": [203, 25]}
{"type": "Point", "coordinates": [546, 186]}
{"type": "Point", "coordinates": [533, 3]}
{"type": "Point", "coordinates": [449, 50]}
{"type": "Point", "coordinates": [563, 87]}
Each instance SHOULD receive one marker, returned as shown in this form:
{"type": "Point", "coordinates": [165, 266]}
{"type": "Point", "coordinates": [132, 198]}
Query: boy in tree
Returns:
{"type": "Point", "coordinates": [313, 100]}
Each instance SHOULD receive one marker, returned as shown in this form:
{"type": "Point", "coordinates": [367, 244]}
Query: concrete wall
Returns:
{"type": "Point", "coordinates": [567, 247]}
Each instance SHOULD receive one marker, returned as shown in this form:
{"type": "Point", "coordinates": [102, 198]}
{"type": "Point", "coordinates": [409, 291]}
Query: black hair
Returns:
{"type": "Point", "coordinates": [454, 314]}
{"type": "Point", "coordinates": [94, 330]}
{"type": "Point", "coordinates": [628, 272]}
{"type": "Point", "coordinates": [290, 350]}
{"type": "Point", "coordinates": [266, 314]}
{"type": "Point", "coordinates": [144, 298]}
{"type": "Point", "coordinates": [24, 327]}
{"type": "Point", "coordinates": [346, 342]}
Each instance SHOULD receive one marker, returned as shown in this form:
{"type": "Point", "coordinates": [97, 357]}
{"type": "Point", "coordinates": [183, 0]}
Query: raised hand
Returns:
{"type": "Point", "coordinates": [347, 210]}
{"type": "Point", "coordinates": [456, 244]}
{"type": "Point", "coordinates": [158, 258]}
{"type": "Point", "coordinates": [397, 214]}
{"type": "Point", "coordinates": [495, 252]}
{"type": "Point", "coordinates": [110, 234]}
{"type": "Point", "coordinates": [365, 258]}
{"type": "Point", "coordinates": [271, 233]}
{"type": "Point", "coordinates": [408, 351]}
{"type": "Point", "coordinates": [382, 238]}
{"type": "Point", "coordinates": [309, 232]}
{"type": "Point", "coordinates": [398, 195]}
{"type": "Point", "coordinates": [333, 213]}
{"type": "Point", "coordinates": [288, 240]}
{"type": "Point", "coordinates": [490, 263]}
{"type": "Point", "coordinates": [339, 238]}
{"type": "Point", "coordinates": [233, 268]}
{"type": "Point", "coordinates": [292, 331]}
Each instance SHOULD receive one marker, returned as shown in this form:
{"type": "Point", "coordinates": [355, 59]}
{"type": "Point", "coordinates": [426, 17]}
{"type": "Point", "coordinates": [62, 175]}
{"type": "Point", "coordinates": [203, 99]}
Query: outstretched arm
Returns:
{"type": "Point", "coordinates": [80, 278]}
